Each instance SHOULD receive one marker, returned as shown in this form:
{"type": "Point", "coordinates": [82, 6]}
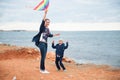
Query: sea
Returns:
{"type": "Point", "coordinates": [95, 47]}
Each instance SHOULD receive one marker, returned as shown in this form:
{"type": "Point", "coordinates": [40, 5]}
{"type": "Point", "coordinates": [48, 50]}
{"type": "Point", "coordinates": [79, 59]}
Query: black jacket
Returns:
{"type": "Point", "coordinates": [60, 48]}
{"type": "Point", "coordinates": [37, 36]}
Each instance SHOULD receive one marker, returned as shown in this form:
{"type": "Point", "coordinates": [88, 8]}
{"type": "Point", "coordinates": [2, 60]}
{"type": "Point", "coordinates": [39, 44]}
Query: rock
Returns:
{"type": "Point", "coordinates": [65, 59]}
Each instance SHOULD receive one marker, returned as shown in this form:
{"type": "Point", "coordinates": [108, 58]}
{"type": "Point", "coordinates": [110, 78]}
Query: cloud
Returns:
{"type": "Point", "coordinates": [88, 2]}
{"type": "Point", "coordinates": [61, 11]}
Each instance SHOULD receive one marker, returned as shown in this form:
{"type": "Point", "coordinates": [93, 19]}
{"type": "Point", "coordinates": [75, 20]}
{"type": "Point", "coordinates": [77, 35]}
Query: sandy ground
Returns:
{"type": "Point", "coordinates": [23, 63]}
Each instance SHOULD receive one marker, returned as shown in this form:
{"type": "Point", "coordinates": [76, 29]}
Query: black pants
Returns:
{"type": "Point", "coordinates": [43, 49]}
{"type": "Point", "coordinates": [59, 63]}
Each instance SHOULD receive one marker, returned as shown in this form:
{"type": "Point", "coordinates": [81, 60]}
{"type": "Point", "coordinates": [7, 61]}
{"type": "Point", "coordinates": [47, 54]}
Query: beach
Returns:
{"type": "Point", "coordinates": [22, 63]}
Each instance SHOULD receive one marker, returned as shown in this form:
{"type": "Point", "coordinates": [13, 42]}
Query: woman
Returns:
{"type": "Point", "coordinates": [41, 40]}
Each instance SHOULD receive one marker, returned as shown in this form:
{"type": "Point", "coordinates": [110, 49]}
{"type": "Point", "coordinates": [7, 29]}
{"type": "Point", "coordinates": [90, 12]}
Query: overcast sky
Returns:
{"type": "Point", "coordinates": [61, 11]}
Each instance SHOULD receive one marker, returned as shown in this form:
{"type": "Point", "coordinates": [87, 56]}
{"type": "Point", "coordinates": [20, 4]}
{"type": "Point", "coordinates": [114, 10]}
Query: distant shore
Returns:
{"type": "Point", "coordinates": [23, 63]}
{"type": "Point", "coordinates": [57, 30]}
{"type": "Point", "coordinates": [13, 30]}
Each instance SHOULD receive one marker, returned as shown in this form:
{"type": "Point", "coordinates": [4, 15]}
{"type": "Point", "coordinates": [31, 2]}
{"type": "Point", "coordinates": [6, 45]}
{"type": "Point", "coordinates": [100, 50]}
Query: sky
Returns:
{"type": "Point", "coordinates": [64, 14]}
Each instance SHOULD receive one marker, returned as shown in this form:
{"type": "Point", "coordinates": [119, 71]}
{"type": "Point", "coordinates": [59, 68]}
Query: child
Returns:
{"type": "Point", "coordinates": [60, 47]}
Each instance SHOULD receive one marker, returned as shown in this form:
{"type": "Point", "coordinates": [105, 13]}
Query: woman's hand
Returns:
{"type": "Point", "coordinates": [57, 34]}
{"type": "Point", "coordinates": [46, 11]}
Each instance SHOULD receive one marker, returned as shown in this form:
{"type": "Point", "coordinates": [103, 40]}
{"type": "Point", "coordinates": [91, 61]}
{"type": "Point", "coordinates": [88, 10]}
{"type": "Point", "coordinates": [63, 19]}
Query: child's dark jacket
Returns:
{"type": "Point", "coordinates": [60, 48]}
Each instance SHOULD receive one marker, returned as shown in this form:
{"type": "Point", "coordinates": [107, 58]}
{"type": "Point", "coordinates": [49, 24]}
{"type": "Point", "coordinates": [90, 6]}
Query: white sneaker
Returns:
{"type": "Point", "coordinates": [65, 70]}
{"type": "Point", "coordinates": [44, 71]}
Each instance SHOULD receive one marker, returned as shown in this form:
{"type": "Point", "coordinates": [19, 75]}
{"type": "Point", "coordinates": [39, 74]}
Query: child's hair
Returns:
{"type": "Point", "coordinates": [61, 39]}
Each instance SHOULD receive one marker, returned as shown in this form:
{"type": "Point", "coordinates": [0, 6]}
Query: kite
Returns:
{"type": "Point", "coordinates": [43, 5]}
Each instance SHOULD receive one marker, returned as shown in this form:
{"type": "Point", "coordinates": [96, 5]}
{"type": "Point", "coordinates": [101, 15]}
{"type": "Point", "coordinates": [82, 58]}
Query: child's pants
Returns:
{"type": "Point", "coordinates": [59, 63]}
